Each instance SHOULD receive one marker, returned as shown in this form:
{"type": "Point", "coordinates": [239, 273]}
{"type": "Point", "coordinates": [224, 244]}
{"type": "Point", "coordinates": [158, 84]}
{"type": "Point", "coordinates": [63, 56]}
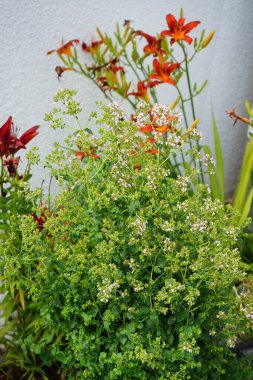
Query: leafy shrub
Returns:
{"type": "Point", "coordinates": [133, 270]}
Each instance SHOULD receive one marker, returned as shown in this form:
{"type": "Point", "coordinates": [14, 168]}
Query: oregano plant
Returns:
{"type": "Point", "coordinates": [134, 272]}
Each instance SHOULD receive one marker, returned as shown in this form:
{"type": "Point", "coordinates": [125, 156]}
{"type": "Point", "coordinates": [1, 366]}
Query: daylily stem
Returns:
{"type": "Point", "coordinates": [192, 105]}
{"type": "Point", "coordinates": [132, 67]}
{"type": "Point", "coordinates": [90, 77]}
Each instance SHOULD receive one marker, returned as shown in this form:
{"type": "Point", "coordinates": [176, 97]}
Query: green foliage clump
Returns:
{"type": "Point", "coordinates": [133, 271]}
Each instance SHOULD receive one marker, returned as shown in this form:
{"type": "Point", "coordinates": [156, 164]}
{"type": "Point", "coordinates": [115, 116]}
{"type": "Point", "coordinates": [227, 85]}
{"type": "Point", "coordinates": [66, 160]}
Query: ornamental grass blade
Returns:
{"type": "Point", "coordinates": [247, 207]}
{"type": "Point", "coordinates": [245, 177]}
{"type": "Point", "coordinates": [218, 158]}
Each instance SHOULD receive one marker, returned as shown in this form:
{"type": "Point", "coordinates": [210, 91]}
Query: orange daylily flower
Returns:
{"type": "Point", "coordinates": [153, 151]}
{"type": "Point", "coordinates": [65, 49]}
{"type": "Point", "coordinates": [232, 113]}
{"type": "Point", "coordinates": [142, 91]}
{"type": "Point", "coordinates": [177, 30]}
{"type": "Point", "coordinates": [85, 154]}
{"type": "Point", "coordinates": [162, 72]}
{"type": "Point", "coordinates": [153, 46]}
{"type": "Point", "coordinates": [153, 127]}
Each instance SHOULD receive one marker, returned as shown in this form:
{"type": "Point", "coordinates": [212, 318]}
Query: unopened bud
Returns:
{"type": "Point", "coordinates": [208, 39]}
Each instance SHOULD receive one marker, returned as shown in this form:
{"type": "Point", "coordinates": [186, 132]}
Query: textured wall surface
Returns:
{"type": "Point", "coordinates": [28, 29]}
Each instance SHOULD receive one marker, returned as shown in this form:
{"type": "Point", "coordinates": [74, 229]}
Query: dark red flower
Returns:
{"type": "Point", "coordinates": [114, 68]}
{"type": "Point", "coordinates": [12, 164]}
{"type": "Point", "coordinates": [153, 46]}
{"type": "Point", "coordinates": [20, 143]}
{"type": "Point", "coordinates": [5, 137]}
{"type": "Point", "coordinates": [177, 30]}
{"type": "Point", "coordinates": [92, 48]}
{"type": "Point", "coordinates": [65, 49]}
{"type": "Point", "coordinates": [162, 72]}
{"type": "Point", "coordinates": [41, 218]}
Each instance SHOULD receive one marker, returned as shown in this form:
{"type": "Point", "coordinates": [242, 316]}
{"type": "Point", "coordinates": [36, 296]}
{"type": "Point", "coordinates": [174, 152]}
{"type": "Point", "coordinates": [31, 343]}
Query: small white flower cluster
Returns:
{"type": "Point", "coordinates": [231, 342]}
{"type": "Point", "coordinates": [174, 141]}
{"type": "Point", "coordinates": [183, 182]}
{"type": "Point", "coordinates": [166, 226]}
{"type": "Point", "coordinates": [116, 109]}
{"type": "Point", "coordinates": [168, 244]}
{"type": "Point", "coordinates": [220, 315]}
{"type": "Point", "coordinates": [195, 134]}
{"type": "Point", "coordinates": [142, 116]}
{"type": "Point", "coordinates": [188, 346]}
{"type": "Point", "coordinates": [106, 290]}
{"type": "Point", "coordinates": [118, 174]}
{"type": "Point", "coordinates": [160, 113]}
{"type": "Point", "coordinates": [139, 227]}
{"type": "Point", "coordinates": [248, 311]}
{"type": "Point", "coordinates": [154, 176]}
{"type": "Point", "coordinates": [199, 225]}
{"type": "Point", "coordinates": [232, 231]}
{"type": "Point", "coordinates": [208, 161]}
{"type": "Point", "coordinates": [174, 288]}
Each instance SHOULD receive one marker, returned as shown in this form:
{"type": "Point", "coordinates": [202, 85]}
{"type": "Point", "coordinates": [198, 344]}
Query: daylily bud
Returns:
{"type": "Point", "coordinates": [173, 105]}
{"type": "Point", "coordinates": [193, 125]}
{"type": "Point", "coordinates": [208, 39]}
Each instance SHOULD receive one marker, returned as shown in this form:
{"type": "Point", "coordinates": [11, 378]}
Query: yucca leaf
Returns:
{"type": "Point", "coordinates": [246, 208]}
{"type": "Point", "coordinates": [245, 176]}
{"type": "Point", "coordinates": [218, 158]}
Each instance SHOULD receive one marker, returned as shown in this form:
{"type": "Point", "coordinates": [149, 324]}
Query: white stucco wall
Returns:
{"type": "Point", "coordinates": [28, 29]}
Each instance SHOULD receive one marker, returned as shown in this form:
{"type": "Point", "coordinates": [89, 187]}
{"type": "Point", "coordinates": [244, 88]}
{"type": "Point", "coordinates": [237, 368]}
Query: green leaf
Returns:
{"type": "Point", "coordinates": [7, 328]}
{"type": "Point", "coordinates": [245, 176]}
{"type": "Point", "coordinates": [248, 108]}
{"type": "Point", "coordinates": [201, 88]}
{"type": "Point", "coordinates": [247, 207]}
{"type": "Point", "coordinates": [218, 158]}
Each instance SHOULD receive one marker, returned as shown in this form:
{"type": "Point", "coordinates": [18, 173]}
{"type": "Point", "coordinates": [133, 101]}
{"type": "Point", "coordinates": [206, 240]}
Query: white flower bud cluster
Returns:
{"type": "Point", "coordinates": [183, 182]}
{"type": "Point", "coordinates": [168, 244]}
{"type": "Point", "coordinates": [138, 227]}
{"type": "Point", "coordinates": [166, 226]}
{"type": "Point", "coordinates": [118, 174]}
{"type": "Point", "coordinates": [106, 290]}
{"type": "Point", "coordinates": [174, 141]}
{"type": "Point", "coordinates": [195, 134]}
{"type": "Point", "coordinates": [207, 160]}
{"type": "Point", "coordinates": [116, 109]}
{"type": "Point", "coordinates": [199, 225]}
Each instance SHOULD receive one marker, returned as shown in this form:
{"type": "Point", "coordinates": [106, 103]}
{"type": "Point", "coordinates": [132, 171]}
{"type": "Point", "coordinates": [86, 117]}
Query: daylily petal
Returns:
{"type": "Point", "coordinates": [5, 136]}
{"type": "Point", "coordinates": [177, 30]}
